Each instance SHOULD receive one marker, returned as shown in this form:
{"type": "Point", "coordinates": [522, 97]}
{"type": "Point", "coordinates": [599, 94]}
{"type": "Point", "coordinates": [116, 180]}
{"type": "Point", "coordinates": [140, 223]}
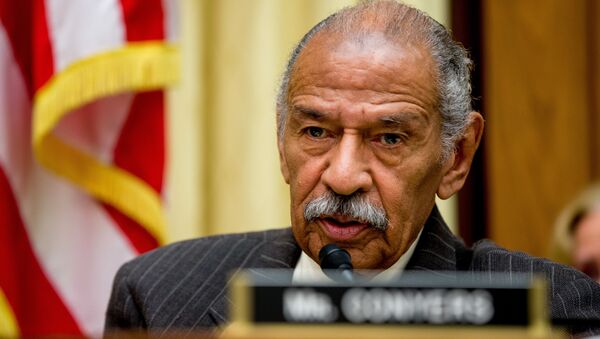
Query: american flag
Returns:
{"type": "Point", "coordinates": [82, 153]}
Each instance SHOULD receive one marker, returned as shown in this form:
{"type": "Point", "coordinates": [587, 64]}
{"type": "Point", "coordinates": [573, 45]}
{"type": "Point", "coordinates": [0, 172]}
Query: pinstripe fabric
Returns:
{"type": "Point", "coordinates": [183, 286]}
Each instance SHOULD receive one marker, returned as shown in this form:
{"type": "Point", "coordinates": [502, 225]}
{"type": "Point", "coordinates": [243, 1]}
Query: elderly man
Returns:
{"type": "Point", "coordinates": [374, 120]}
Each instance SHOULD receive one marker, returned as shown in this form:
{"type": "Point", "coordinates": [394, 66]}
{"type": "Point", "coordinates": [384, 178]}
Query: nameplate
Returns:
{"type": "Point", "coordinates": [268, 297]}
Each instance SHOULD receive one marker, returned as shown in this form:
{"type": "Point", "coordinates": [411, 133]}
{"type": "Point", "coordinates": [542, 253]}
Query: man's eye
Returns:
{"type": "Point", "coordinates": [315, 132]}
{"type": "Point", "coordinates": [390, 139]}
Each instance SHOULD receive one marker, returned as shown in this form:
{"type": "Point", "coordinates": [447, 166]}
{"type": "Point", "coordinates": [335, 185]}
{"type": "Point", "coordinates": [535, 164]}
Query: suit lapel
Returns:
{"type": "Point", "coordinates": [438, 250]}
{"type": "Point", "coordinates": [279, 251]}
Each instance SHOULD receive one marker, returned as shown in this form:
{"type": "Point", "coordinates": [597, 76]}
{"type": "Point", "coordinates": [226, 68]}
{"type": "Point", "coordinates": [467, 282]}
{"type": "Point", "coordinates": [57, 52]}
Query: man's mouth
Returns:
{"type": "Point", "coordinates": [340, 228]}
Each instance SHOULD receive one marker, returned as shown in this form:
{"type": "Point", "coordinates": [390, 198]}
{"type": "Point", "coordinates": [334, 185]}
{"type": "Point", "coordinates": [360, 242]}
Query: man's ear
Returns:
{"type": "Point", "coordinates": [459, 162]}
{"type": "Point", "coordinates": [283, 163]}
{"type": "Point", "coordinates": [282, 159]}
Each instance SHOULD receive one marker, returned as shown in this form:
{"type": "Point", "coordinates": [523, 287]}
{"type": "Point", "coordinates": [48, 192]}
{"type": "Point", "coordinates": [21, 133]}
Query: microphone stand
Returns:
{"type": "Point", "coordinates": [333, 257]}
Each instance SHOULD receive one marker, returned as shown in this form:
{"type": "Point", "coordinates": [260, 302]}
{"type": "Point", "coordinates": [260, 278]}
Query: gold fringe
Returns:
{"type": "Point", "coordinates": [8, 323]}
{"type": "Point", "coordinates": [135, 67]}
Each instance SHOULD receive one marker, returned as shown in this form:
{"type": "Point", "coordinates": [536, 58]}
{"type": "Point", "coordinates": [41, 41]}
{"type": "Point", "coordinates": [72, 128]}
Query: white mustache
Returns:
{"type": "Point", "coordinates": [355, 206]}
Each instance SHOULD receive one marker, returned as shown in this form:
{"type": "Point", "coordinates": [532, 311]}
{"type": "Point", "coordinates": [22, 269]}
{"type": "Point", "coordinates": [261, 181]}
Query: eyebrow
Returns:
{"type": "Point", "coordinates": [304, 112]}
{"type": "Point", "coordinates": [392, 120]}
{"type": "Point", "coordinates": [397, 119]}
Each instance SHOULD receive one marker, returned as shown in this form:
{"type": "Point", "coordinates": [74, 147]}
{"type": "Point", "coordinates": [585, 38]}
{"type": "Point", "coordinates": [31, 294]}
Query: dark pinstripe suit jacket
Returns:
{"type": "Point", "coordinates": [184, 285]}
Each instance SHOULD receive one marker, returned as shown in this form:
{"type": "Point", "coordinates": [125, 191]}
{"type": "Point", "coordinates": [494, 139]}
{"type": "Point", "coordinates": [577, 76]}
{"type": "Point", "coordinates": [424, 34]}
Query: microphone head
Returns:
{"type": "Point", "coordinates": [334, 257]}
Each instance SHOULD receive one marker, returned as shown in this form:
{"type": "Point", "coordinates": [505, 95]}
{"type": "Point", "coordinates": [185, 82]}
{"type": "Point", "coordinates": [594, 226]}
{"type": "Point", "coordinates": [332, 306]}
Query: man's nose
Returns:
{"type": "Point", "coordinates": [348, 169]}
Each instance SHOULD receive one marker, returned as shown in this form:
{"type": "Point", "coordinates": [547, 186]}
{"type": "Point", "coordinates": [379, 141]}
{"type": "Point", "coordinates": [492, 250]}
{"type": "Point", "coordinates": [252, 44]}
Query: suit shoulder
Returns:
{"type": "Point", "coordinates": [189, 274]}
{"type": "Point", "coordinates": [181, 257]}
{"type": "Point", "coordinates": [488, 256]}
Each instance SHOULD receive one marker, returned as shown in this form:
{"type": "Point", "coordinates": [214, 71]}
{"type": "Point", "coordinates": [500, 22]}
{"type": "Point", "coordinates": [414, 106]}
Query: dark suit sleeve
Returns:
{"type": "Point", "coordinates": [122, 312]}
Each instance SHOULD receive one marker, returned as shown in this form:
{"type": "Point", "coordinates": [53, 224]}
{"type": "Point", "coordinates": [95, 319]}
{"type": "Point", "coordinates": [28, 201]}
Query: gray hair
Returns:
{"type": "Point", "coordinates": [401, 23]}
{"type": "Point", "coordinates": [356, 206]}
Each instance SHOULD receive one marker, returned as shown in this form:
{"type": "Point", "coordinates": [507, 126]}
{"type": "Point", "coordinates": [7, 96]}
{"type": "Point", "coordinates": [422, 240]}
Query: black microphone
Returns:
{"type": "Point", "coordinates": [332, 257]}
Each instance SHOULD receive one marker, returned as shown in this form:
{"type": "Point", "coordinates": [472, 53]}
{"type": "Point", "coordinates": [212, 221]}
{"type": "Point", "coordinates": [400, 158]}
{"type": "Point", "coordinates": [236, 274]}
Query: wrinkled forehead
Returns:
{"type": "Point", "coordinates": [347, 60]}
